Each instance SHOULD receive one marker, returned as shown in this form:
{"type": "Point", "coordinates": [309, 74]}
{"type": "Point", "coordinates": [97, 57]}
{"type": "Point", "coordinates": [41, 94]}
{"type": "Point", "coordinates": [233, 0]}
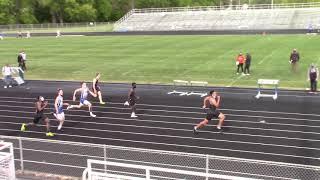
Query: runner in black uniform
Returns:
{"type": "Point", "coordinates": [39, 116]}
{"type": "Point", "coordinates": [132, 99]}
{"type": "Point", "coordinates": [210, 105]}
{"type": "Point", "coordinates": [96, 88]}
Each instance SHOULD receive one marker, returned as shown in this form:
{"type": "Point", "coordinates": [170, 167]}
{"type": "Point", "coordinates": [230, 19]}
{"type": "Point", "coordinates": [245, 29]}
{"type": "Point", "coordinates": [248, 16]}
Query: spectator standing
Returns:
{"type": "Point", "coordinates": [247, 64]}
{"type": "Point", "coordinates": [239, 61]}
{"type": "Point", "coordinates": [294, 58]}
{"type": "Point", "coordinates": [313, 75]}
{"type": "Point", "coordinates": [28, 34]}
{"type": "Point", "coordinates": [19, 35]}
{"type": "Point", "coordinates": [7, 75]}
{"type": "Point", "coordinates": [58, 33]}
{"type": "Point", "coordinates": [22, 58]}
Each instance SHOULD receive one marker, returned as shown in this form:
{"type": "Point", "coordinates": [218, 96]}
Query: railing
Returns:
{"type": "Point", "coordinates": [125, 17]}
{"type": "Point", "coordinates": [70, 159]}
{"type": "Point", "coordinates": [53, 27]}
{"type": "Point", "coordinates": [116, 170]}
{"type": "Point", "coordinates": [229, 7]}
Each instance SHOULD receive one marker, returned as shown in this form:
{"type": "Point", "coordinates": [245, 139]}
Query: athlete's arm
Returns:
{"type": "Point", "coordinates": [218, 102]}
{"type": "Point", "coordinates": [204, 102]}
{"type": "Point", "coordinates": [92, 94]}
{"type": "Point", "coordinates": [214, 102]}
{"type": "Point", "coordinates": [75, 92]}
{"type": "Point", "coordinates": [129, 94]}
{"type": "Point", "coordinates": [56, 105]}
{"type": "Point", "coordinates": [94, 84]}
{"type": "Point", "coordinates": [39, 107]}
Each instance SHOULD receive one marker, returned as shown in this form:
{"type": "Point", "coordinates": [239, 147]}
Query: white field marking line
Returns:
{"type": "Point", "coordinates": [229, 120]}
{"type": "Point", "coordinates": [288, 131]}
{"type": "Point", "coordinates": [266, 57]}
{"type": "Point", "coordinates": [234, 81]}
{"type": "Point", "coordinates": [175, 145]}
{"type": "Point", "coordinates": [182, 107]}
{"type": "Point", "coordinates": [170, 136]}
{"type": "Point", "coordinates": [166, 122]}
{"type": "Point", "coordinates": [190, 112]}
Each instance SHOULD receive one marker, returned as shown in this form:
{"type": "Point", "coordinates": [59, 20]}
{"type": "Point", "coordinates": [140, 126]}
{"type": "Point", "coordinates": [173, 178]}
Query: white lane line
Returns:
{"type": "Point", "coordinates": [175, 145]}
{"type": "Point", "coordinates": [184, 117]}
{"type": "Point", "coordinates": [262, 129]}
{"type": "Point", "coordinates": [235, 80]}
{"type": "Point", "coordinates": [266, 57]}
{"type": "Point", "coordinates": [181, 137]}
{"type": "Point", "coordinates": [187, 112]}
{"type": "Point", "coordinates": [165, 122]}
{"type": "Point", "coordinates": [171, 136]}
{"type": "Point", "coordinates": [183, 107]}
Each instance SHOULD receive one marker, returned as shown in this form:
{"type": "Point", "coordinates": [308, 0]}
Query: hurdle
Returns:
{"type": "Point", "coordinates": [195, 85]}
{"type": "Point", "coordinates": [273, 82]}
{"type": "Point", "coordinates": [177, 90]}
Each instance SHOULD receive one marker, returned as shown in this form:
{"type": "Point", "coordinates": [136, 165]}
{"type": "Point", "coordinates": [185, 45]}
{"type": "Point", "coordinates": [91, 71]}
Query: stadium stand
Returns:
{"type": "Point", "coordinates": [290, 16]}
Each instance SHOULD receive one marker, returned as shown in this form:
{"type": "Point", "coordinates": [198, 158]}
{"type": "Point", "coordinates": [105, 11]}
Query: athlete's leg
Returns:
{"type": "Point", "coordinates": [60, 118]}
{"type": "Point", "coordinates": [221, 119]}
{"type": "Point", "coordinates": [75, 106]}
{"type": "Point", "coordinates": [87, 103]}
{"type": "Point", "coordinates": [46, 121]}
{"type": "Point", "coordinates": [100, 98]}
{"type": "Point", "coordinates": [133, 110]}
{"type": "Point", "coordinates": [202, 124]}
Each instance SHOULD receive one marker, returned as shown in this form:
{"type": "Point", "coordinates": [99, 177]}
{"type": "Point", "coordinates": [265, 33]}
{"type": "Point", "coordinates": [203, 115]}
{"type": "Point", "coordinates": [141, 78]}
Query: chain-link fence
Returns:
{"type": "Point", "coordinates": [53, 27]}
{"type": "Point", "coordinates": [70, 159]}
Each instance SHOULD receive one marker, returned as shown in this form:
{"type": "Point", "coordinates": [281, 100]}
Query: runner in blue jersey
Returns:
{"type": "Point", "coordinates": [83, 98]}
{"type": "Point", "coordinates": [58, 106]}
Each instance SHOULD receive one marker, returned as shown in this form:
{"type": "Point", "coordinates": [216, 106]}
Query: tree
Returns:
{"type": "Point", "coordinates": [104, 10]}
{"type": "Point", "coordinates": [7, 13]}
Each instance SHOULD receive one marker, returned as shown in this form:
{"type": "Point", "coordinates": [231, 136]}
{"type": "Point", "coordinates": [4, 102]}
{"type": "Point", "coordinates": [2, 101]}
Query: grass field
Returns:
{"type": "Point", "coordinates": [160, 59]}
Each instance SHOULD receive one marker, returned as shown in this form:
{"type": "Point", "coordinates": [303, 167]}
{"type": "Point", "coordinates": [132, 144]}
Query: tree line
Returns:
{"type": "Point", "coordinates": [65, 11]}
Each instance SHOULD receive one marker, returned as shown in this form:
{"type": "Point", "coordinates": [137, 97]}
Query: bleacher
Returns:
{"type": "Point", "coordinates": [290, 16]}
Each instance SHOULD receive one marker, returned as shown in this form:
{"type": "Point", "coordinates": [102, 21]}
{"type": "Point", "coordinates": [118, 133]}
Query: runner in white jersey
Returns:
{"type": "Point", "coordinates": [83, 98]}
{"type": "Point", "coordinates": [58, 106]}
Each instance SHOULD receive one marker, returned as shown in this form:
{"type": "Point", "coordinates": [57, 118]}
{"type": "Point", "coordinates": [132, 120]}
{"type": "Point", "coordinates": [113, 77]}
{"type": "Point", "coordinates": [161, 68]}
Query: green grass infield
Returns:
{"type": "Point", "coordinates": [160, 59]}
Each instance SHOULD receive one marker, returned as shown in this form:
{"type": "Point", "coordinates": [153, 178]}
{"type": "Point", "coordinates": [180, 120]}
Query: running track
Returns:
{"type": "Point", "coordinates": [286, 130]}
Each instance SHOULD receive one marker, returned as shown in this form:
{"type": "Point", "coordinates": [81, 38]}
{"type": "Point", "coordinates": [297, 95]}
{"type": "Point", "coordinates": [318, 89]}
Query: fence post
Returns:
{"type": "Point", "coordinates": [207, 166]}
{"type": "Point", "coordinates": [21, 155]}
{"type": "Point", "coordinates": [147, 174]}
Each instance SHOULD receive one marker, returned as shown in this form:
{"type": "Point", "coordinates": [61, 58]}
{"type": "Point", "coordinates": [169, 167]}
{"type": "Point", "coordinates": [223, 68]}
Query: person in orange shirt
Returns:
{"type": "Point", "coordinates": [240, 61]}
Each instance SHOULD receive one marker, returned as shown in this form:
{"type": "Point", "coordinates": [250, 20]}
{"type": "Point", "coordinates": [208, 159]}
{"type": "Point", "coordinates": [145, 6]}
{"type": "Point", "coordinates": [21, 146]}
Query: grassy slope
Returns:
{"type": "Point", "coordinates": [160, 59]}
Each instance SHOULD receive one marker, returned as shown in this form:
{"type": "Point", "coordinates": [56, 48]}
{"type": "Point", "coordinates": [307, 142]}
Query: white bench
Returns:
{"type": "Point", "coordinates": [272, 82]}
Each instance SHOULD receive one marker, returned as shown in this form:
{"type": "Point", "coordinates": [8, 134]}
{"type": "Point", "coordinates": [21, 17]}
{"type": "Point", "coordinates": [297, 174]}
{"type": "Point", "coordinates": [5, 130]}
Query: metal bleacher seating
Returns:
{"type": "Point", "coordinates": [290, 16]}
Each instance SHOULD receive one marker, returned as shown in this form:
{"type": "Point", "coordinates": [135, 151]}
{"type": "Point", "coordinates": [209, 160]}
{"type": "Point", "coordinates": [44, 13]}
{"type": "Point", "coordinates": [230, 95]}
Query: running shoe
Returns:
{"type": "Point", "coordinates": [195, 132]}
{"type": "Point", "coordinates": [92, 115]}
{"type": "Point", "coordinates": [102, 103]}
{"type": "Point", "coordinates": [49, 134]}
{"type": "Point", "coordinates": [133, 115]}
{"type": "Point", "coordinates": [69, 107]}
{"type": "Point", "coordinates": [23, 127]}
